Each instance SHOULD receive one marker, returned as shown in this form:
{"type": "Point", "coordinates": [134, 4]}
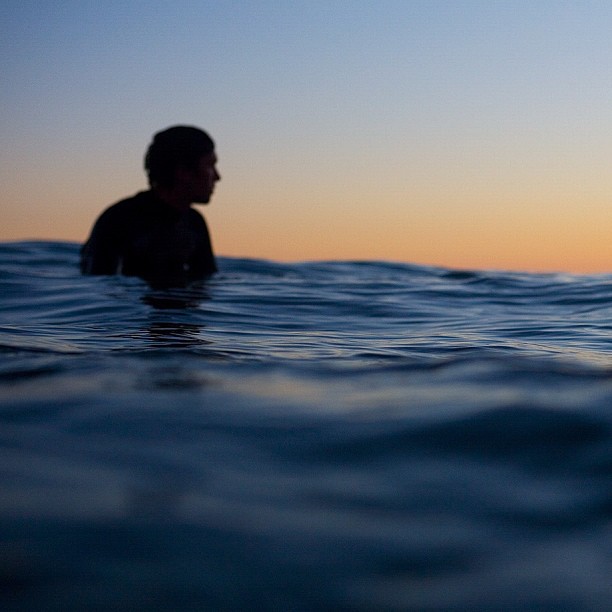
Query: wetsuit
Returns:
{"type": "Point", "coordinates": [143, 236]}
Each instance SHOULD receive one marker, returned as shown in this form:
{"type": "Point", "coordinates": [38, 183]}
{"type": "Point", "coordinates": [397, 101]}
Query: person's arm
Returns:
{"type": "Point", "coordinates": [206, 264]}
{"type": "Point", "coordinates": [101, 254]}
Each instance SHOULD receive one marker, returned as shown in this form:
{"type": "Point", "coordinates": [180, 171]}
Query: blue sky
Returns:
{"type": "Point", "coordinates": [373, 125]}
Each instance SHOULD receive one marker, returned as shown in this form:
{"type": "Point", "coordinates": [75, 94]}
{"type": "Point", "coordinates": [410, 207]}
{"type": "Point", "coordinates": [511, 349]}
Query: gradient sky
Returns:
{"type": "Point", "coordinates": [469, 134]}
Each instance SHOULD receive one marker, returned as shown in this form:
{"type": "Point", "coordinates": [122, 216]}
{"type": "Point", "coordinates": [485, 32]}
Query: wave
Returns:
{"type": "Point", "coordinates": [318, 435]}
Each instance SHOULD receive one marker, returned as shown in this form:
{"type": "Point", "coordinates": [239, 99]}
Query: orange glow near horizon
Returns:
{"type": "Point", "coordinates": [495, 236]}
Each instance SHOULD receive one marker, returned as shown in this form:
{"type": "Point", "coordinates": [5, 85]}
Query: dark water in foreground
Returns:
{"type": "Point", "coordinates": [322, 436]}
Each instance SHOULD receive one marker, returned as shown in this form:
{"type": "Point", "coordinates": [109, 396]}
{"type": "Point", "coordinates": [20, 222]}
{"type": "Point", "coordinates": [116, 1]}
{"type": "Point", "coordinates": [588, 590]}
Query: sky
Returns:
{"type": "Point", "coordinates": [463, 133]}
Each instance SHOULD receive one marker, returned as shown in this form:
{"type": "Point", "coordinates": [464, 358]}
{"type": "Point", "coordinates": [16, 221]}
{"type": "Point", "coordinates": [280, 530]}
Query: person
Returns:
{"type": "Point", "coordinates": [156, 234]}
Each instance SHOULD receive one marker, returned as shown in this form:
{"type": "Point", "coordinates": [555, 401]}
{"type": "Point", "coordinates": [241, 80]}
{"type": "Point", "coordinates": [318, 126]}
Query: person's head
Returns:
{"type": "Point", "coordinates": [182, 154]}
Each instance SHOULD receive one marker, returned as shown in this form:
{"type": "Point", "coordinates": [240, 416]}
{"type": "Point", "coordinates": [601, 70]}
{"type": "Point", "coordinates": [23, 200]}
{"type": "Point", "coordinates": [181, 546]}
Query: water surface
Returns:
{"type": "Point", "coordinates": [315, 436]}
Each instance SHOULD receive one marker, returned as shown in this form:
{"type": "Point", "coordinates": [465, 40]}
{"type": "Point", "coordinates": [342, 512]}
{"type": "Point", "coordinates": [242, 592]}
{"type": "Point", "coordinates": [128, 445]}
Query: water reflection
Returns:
{"type": "Point", "coordinates": [170, 334]}
{"type": "Point", "coordinates": [173, 304]}
{"type": "Point", "coordinates": [173, 299]}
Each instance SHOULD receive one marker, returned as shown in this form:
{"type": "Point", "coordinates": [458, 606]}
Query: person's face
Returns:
{"type": "Point", "coordinates": [201, 182]}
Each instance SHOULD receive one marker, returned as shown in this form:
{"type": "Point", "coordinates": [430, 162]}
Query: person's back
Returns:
{"type": "Point", "coordinates": [155, 234]}
{"type": "Point", "coordinates": [143, 236]}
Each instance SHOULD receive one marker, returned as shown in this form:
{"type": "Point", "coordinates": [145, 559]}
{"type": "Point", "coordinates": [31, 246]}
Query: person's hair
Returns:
{"type": "Point", "coordinates": [180, 146]}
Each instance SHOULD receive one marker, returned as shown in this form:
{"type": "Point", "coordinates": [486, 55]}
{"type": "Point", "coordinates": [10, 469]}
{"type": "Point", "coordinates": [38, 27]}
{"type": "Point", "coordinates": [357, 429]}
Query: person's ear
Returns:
{"type": "Point", "coordinates": [181, 174]}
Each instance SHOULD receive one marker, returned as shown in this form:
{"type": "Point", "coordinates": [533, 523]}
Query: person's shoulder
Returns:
{"type": "Point", "coordinates": [196, 217]}
{"type": "Point", "coordinates": [126, 207]}
{"type": "Point", "coordinates": [142, 198]}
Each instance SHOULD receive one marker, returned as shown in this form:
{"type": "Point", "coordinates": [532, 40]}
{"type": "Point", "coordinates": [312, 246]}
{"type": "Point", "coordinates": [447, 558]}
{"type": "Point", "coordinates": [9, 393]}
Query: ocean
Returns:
{"type": "Point", "coordinates": [294, 437]}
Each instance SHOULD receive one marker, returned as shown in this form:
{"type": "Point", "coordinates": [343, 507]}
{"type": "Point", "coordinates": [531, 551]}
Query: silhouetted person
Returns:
{"type": "Point", "coordinates": [155, 234]}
